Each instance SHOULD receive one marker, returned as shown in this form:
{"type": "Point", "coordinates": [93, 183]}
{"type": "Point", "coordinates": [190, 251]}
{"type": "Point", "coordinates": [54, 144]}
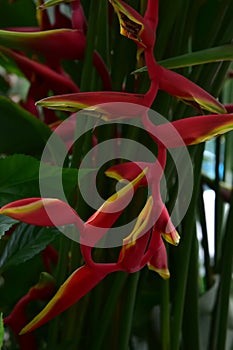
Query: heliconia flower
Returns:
{"type": "Point", "coordinates": [55, 45]}
{"type": "Point", "coordinates": [133, 25]}
{"type": "Point", "coordinates": [88, 276]}
{"type": "Point", "coordinates": [107, 105]}
{"type": "Point", "coordinates": [54, 212]}
{"type": "Point", "coordinates": [98, 223]}
{"type": "Point", "coordinates": [169, 81]}
{"type": "Point", "coordinates": [165, 226]}
{"type": "Point", "coordinates": [74, 288]}
{"type": "Point", "coordinates": [141, 30]}
{"type": "Point", "coordinates": [187, 91]}
{"type": "Point", "coordinates": [190, 131]}
{"type": "Point", "coordinates": [62, 43]}
{"type": "Point", "coordinates": [59, 83]}
{"type": "Point", "coordinates": [17, 318]}
{"type": "Point", "coordinates": [94, 102]}
{"type": "Point", "coordinates": [129, 170]}
{"type": "Point", "coordinates": [34, 211]}
{"type": "Point", "coordinates": [132, 255]}
{"type": "Point", "coordinates": [156, 255]}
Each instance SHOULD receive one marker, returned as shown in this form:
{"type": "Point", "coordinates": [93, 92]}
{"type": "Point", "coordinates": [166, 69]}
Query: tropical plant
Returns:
{"type": "Point", "coordinates": [131, 114]}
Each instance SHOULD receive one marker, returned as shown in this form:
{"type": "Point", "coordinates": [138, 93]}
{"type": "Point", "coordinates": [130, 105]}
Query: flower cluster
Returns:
{"type": "Point", "coordinates": [144, 245]}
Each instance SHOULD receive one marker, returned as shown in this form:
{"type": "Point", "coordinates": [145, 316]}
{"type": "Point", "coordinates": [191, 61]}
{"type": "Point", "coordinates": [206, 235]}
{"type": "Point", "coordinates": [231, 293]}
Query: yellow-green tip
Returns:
{"type": "Point", "coordinates": [164, 273]}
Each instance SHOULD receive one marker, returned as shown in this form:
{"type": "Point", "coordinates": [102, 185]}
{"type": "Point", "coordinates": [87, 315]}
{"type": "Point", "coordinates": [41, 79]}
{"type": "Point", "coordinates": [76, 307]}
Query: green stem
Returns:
{"type": "Point", "coordinates": [87, 78]}
{"type": "Point", "coordinates": [165, 315]}
{"type": "Point", "coordinates": [61, 274]}
{"type": "Point", "coordinates": [107, 312]}
{"type": "Point", "coordinates": [225, 284]}
{"type": "Point", "coordinates": [183, 257]}
{"type": "Point", "coordinates": [191, 318]}
{"type": "Point", "coordinates": [126, 317]}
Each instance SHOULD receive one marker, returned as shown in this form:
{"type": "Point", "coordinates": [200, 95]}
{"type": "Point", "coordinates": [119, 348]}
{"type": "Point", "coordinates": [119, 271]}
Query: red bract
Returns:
{"type": "Point", "coordinates": [35, 211]}
{"type": "Point", "coordinates": [191, 130]}
{"type": "Point", "coordinates": [18, 318]}
{"type": "Point", "coordinates": [133, 256]}
{"type": "Point", "coordinates": [86, 277]}
{"type": "Point", "coordinates": [77, 285]}
{"type": "Point", "coordinates": [185, 90]}
{"type": "Point", "coordinates": [167, 80]}
{"type": "Point", "coordinates": [57, 43]}
{"type": "Point", "coordinates": [133, 25]}
{"type": "Point", "coordinates": [36, 71]}
{"type": "Point", "coordinates": [94, 102]}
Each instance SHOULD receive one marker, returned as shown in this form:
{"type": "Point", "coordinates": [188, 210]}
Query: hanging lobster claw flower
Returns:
{"type": "Point", "coordinates": [190, 131]}
{"type": "Point", "coordinates": [85, 278]}
{"type": "Point", "coordinates": [59, 83]}
{"type": "Point", "coordinates": [18, 318]}
{"type": "Point", "coordinates": [133, 25]}
{"type": "Point", "coordinates": [38, 211]}
{"type": "Point", "coordinates": [57, 42]}
{"type": "Point", "coordinates": [107, 105]}
{"type": "Point", "coordinates": [187, 91]}
{"type": "Point", "coordinates": [54, 212]}
{"type": "Point", "coordinates": [74, 288]}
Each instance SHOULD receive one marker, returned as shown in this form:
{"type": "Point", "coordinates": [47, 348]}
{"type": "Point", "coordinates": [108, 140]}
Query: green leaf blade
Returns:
{"type": "Point", "coordinates": [215, 54]}
{"type": "Point", "coordinates": [26, 242]}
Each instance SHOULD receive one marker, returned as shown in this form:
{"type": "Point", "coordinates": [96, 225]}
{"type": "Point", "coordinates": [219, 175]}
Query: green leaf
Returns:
{"type": "Point", "coordinates": [21, 131]}
{"type": "Point", "coordinates": [1, 331]}
{"type": "Point", "coordinates": [5, 224]}
{"type": "Point", "coordinates": [215, 54]}
{"type": "Point", "coordinates": [19, 178]}
{"type": "Point", "coordinates": [26, 242]}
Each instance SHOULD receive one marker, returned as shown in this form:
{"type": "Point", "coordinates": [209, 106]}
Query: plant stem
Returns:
{"type": "Point", "coordinates": [165, 315]}
{"type": "Point", "coordinates": [184, 256]}
{"type": "Point", "coordinates": [107, 312]}
{"type": "Point", "coordinates": [61, 274]}
{"type": "Point", "coordinates": [127, 311]}
{"type": "Point", "coordinates": [225, 284]}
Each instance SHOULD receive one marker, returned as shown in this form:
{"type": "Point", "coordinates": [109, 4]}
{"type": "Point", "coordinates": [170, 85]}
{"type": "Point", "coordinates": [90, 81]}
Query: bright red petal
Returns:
{"type": "Point", "coordinates": [75, 287]}
{"type": "Point", "coordinates": [42, 212]}
{"type": "Point", "coordinates": [187, 91]}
